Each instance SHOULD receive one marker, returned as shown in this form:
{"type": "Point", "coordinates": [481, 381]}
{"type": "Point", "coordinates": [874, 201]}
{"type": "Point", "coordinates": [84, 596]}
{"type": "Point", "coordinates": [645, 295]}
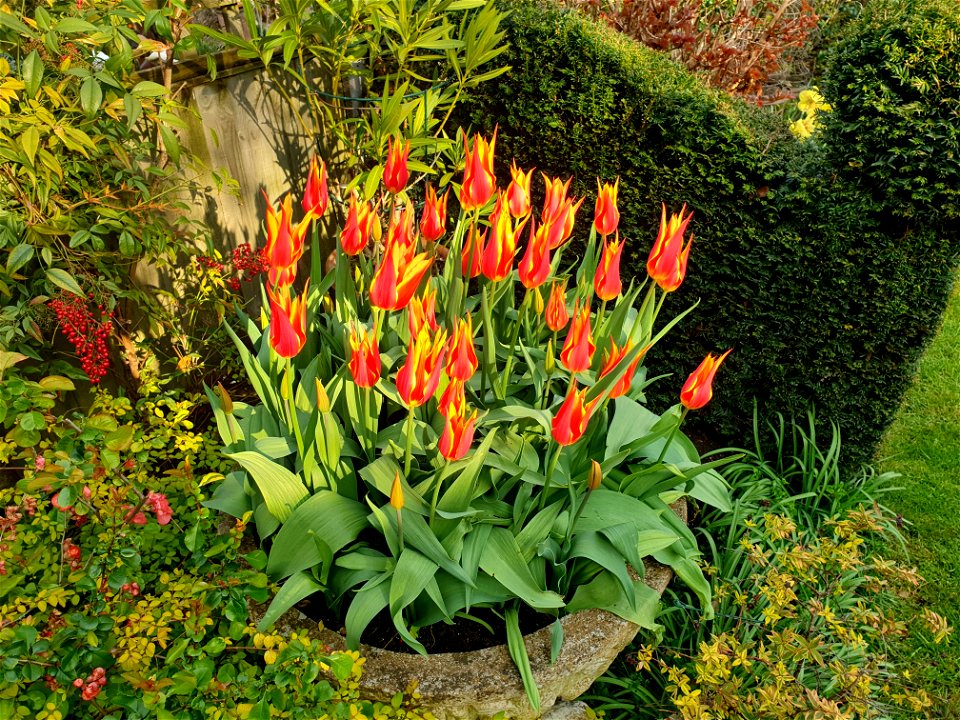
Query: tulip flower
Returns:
{"type": "Point", "coordinates": [555, 199]}
{"type": "Point", "coordinates": [518, 194]}
{"type": "Point", "coordinates": [453, 399]}
{"type": "Point", "coordinates": [606, 217]}
{"type": "Point", "coordinates": [395, 173]}
{"type": "Point", "coordinates": [479, 182]}
{"type": "Point", "coordinates": [556, 315]}
{"type": "Point", "coordinates": [606, 282]}
{"type": "Point", "coordinates": [698, 389]}
{"type": "Point", "coordinates": [418, 378]}
{"type": "Point", "coordinates": [422, 312]}
{"type": "Point", "coordinates": [398, 276]}
{"type": "Point", "coordinates": [497, 259]}
{"type": "Point", "coordinates": [288, 320]}
{"type": "Point", "coordinates": [462, 359]}
{"type": "Point", "coordinates": [559, 211]}
{"type": "Point", "coordinates": [667, 264]}
{"type": "Point", "coordinates": [434, 219]}
{"type": "Point", "coordinates": [610, 360]}
{"type": "Point", "coordinates": [534, 268]}
{"type": "Point", "coordinates": [471, 262]}
{"type": "Point", "coordinates": [577, 353]}
{"type": "Point", "coordinates": [364, 357]}
{"type": "Point", "coordinates": [315, 193]}
{"type": "Point", "coordinates": [356, 229]}
{"type": "Point", "coordinates": [285, 242]}
{"type": "Point", "coordinates": [401, 229]}
{"type": "Point", "coordinates": [457, 434]}
{"type": "Point", "coordinates": [572, 418]}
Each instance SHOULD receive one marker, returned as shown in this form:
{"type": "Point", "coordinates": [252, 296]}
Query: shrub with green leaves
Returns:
{"type": "Point", "coordinates": [121, 596]}
{"type": "Point", "coordinates": [802, 264]}
{"type": "Point", "coordinates": [89, 156]}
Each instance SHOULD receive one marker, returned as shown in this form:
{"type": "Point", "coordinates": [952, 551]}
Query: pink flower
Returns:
{"type": "Point", "coordinates": [158, 503]}
{"type": "Point", "coordinates": [40, 463]}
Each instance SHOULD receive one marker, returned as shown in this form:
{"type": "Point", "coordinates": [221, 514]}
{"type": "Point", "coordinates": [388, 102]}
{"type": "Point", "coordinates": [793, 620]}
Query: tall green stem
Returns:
{"type": "Point", "coordinates": [489, 344]}
{"type": "Point", "coordinates": [514, 336]}
{"type": "Point", "coordinates": [408, 455]}
{"type": "Point", "coordinates": [294, 420]}
{"type": "Point", "coordinates": [666, 445]}
{"type": "Point", "coordinates": [551, 466]}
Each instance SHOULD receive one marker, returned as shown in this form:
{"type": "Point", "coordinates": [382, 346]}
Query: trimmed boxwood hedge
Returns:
{"type": "Point", "coordinates": [826, 264]}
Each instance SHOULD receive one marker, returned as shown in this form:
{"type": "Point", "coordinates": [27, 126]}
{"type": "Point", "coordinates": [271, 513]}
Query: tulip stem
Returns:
{"type": "Point", "coordinates": [294, 420]}
{"type": "Point", "coordinates": [673, 431]}
{"type": "Point", "coordinates": [408, 454]}
{"type": "Point", "coordinates": [366, 397]}
{"type": "Point", "coordinates": [600, 316]}
{"type": "Point", "coordinates": [400, 527]}
{"type": "Point", "coordinates": [489, 345]}
{"type": "Point", "coordinates": [551, 466]}
{"type": "Point", "coordinates": [513, 343]}
{"type": "Point", "coordinates": [576, 516]}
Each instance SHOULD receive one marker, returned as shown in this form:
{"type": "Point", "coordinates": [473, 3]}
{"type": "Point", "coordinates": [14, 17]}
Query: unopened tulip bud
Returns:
{"type": "Point", "coordinates": [595, 477]}
{"type": "Point", "coordinates": [550, 364]}
{"type": "Point", "coordinates": [323, 400]}
{"type": "Point", "coordinates": [396, 494]}
{"type": "Point", "coordinates": [538, 304]}
{"type": "Point", "coordinates": [225, 399]}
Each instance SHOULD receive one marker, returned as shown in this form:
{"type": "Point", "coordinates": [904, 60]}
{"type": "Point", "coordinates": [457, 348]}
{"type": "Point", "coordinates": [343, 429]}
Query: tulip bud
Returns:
{"type": "Point", "coordinates": [323, 400]}
{"type": "Point", "coordinates": [396, 494]}
{"type": "Point", "coordinates": [550, 364]}
{"type": "Point", "coordinates": [595, 477]}
{"type": "Point", "coordinates": [225, 399]}
{"type": "Point", "coordinates": [538, 301]}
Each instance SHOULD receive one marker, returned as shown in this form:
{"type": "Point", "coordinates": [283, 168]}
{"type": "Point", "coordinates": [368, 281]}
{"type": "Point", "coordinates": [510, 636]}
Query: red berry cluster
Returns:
{"type": "Point", "coordinates": [93, 684]}
{"type": "Point", "coordinates": [88, 335]}
{"type": "Point", "coordinates": [247, 264]}
{"type": "Point", "coordinates": [249, 261]}
{"type": "Point", "coordinates": [132, 588]}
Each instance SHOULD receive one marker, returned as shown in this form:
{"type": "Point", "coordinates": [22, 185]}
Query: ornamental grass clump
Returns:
{"type": "Point", "coordinates": [433, 437]}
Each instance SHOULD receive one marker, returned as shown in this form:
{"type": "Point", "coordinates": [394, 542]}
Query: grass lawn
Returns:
{"type": "Point", "coordinates": [923, 444]}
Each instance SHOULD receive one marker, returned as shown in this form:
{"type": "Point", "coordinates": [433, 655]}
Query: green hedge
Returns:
{"type": "Point", "coordinates": [826, 291]}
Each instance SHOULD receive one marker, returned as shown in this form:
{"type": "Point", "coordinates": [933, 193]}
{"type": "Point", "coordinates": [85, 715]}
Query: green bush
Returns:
{"type": "Point", "coordinates": [824, 290]}
{"type": "Point", "coordinates": [895, 85]}
{"type": "Point", "coordinates": [121, 596]}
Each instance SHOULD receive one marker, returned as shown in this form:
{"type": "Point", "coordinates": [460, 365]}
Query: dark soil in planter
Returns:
{"type": "Point", "coordinates": [462, 636]}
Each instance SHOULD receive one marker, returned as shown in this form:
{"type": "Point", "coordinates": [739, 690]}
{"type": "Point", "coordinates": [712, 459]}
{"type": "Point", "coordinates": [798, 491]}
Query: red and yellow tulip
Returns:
{"type": "Point", "coordinates": [479, 182]}
{"type": "Point", "coordinates": [315, 193]}
{"type": "Point", "coordinates": [472, 261]}
{"type": "Point", "coordinates": [462, 360]}
{"type": "Point", "coordinates": [434, 219]}
{"type": "Point", "coordinates": [518, 194]}
{"type": "Point", "coordinates": [418, 378]}
{"type": "Point", "coordinates": [364, 357]}
{"type": "Point", "coordinates": [610, 360]}
{"type": "Point", "coordinates": [422, 312]}
{"type": "Point", "coordinates": [497, 259]}
{"type": "Point", "coordinates": [534, 268]}
{"type": "Point", "coordinates": [607, 282]}
{"type": "Point", "coordinates": [577, 353]}
{"type": "Point", "coordinates": [453, 399]}
{"type": "Point", "coordinates": [572, 418]}
{"type": "Point", "coordinates": [698, 389]}
{"type": "Point", "coordinates": [400, 272]}
{"type": "Point", "coordinates": [556, 313]}
{"type": "Point", "coordinates": [395, 173]}
{"type": "Point", "coordinates": [288, 320]}
{"type": "Point", "coordinates": [285, 242]}
{"type": "Point", "coordinates": [667, 264]}
{"type": "Point", "coordinates": [358, 225]}
{"type": "Point", "coordinates": [606, 216]}
{"type": "Point", "coordinates": [457, 434]}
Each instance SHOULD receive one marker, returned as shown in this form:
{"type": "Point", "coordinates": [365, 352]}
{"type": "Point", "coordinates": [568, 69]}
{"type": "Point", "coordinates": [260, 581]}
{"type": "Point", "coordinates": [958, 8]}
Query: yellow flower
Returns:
{"type": "Point", "coordinates": [810, 101]}
{"type": "Point", "coordinates": [801, 129]}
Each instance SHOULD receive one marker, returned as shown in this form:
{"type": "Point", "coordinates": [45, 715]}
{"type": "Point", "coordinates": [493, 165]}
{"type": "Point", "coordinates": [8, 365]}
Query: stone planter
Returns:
{"type": "Point", "coordinates": [476, 685]}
